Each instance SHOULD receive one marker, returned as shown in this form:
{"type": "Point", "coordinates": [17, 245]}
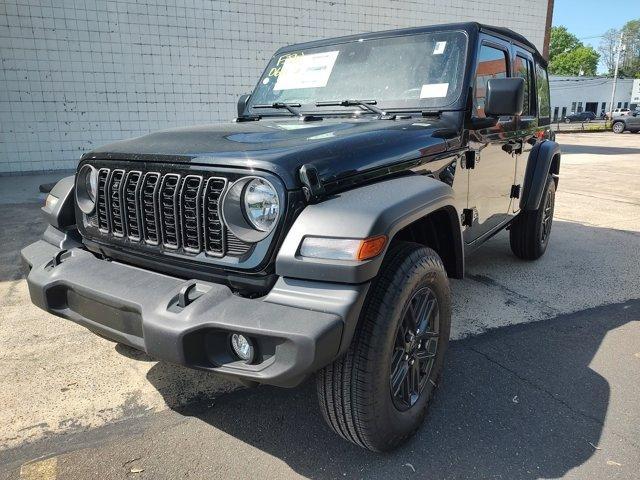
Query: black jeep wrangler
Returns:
{"type": "Point", "coordinates": [316, 233]}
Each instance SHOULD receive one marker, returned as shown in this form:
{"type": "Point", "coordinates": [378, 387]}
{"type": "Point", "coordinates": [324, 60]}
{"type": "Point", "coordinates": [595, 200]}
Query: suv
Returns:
{"type": "Point", "coordinates": [618, 112]}
{"type": "Point", "coordinates": [630, 122]}
{"type": "Point", "coordinates": [316, 233]}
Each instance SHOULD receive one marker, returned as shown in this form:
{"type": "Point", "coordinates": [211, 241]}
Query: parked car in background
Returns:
{"type": "Point", "coordinates": [619, 112]}
{"type": "Point", "coordinates": [580, 117]}
{"type": "Point", "coordinates": [624, 123]}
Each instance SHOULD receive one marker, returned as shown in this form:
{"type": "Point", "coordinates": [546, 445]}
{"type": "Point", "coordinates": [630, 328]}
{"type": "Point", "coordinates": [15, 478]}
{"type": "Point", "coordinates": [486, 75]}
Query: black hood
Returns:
{"type": "Point", "coordinates": [337, 147]}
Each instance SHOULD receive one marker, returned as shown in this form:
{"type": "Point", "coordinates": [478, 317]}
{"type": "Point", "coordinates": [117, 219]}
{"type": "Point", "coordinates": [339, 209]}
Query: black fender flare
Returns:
{"type": "Point", "coordinates": [382, 208]}
{"type": "Point", "coordinates": [538, 168]}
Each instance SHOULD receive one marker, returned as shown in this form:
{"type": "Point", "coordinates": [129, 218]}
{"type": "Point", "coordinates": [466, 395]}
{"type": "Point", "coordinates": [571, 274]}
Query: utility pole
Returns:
{"type": "Point", "coordinates": [615, 76]}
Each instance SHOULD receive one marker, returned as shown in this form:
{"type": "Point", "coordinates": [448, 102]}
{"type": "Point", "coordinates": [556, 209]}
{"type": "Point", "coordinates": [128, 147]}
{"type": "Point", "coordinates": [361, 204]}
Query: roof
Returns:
{"type": "Point", "coordinates": [469, 27]}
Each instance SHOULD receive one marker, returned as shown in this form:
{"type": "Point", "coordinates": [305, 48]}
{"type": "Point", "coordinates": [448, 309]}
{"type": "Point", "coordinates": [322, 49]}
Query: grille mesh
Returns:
{"type": "Point", "coordinates": [168, 210]}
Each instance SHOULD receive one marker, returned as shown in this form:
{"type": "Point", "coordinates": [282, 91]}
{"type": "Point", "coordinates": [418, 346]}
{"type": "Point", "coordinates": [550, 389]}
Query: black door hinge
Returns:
{"type": "Point", "coordinates": [515, 191]}
{"type": "Point", "coordinates": [467, 217]}
{"type": "Point", "coordinates": [470, 159]}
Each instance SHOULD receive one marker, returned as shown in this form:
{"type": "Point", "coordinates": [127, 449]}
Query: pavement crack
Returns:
{"type": "Point", "coordinates": [551, 395]}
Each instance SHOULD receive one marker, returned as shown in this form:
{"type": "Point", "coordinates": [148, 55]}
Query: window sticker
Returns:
{"type": "Point", "coordinates": [306, 71]}
{"type": "Point", "coordinates": [434, 90]}
{"type": "Point", "coordinates": [439, 48]}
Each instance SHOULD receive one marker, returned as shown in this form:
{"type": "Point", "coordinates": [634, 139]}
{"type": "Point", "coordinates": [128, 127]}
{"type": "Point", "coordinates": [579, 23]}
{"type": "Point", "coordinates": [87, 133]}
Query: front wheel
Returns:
{"type": "Point", "coordinates": [530, 230]}
{"type": "Point", "coordinates": [618, 127]}
{"type": "Point", "coordinates": [377, 394]}
{"type": "Point", "coordinates": [567, 120]}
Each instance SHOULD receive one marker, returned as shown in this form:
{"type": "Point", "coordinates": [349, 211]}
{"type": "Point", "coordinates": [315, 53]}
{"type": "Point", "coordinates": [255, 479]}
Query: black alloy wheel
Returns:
{"type": "Point", "coordinates": [415, 349]}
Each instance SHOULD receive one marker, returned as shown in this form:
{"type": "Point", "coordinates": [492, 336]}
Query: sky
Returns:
{"type": "Point", "coordinates": [589, 18]}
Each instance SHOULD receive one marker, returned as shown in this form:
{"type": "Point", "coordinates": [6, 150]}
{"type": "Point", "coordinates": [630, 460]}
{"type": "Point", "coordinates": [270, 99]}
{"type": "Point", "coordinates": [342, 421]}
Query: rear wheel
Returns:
{"type": "Point", "coordinates": [618, 127]}
{"type": "Point", "coordinates": [377, 394]}
{"type": "Point", "coordinates": [567, 120]}
{"type": "Point", "coordinates": [530, 231]}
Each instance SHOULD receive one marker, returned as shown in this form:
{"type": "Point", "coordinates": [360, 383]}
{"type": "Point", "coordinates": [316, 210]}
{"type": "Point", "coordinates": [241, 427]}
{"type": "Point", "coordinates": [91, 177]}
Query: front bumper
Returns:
{"type": "Point", "coordinates": [298, 328]}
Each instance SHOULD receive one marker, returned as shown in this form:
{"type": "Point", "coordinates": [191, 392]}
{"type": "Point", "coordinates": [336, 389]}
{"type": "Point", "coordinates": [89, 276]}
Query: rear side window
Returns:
{"type": "Point", "coordinates": [542, 84]}
{"type": "Point", "coordinates": [524, 69]}
{"type": "Point", "coordinates": [492, 63]}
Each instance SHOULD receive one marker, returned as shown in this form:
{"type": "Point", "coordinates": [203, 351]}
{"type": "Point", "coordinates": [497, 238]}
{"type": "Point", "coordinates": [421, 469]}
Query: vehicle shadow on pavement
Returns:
{"type": "Point", "coordinates": [516, 402]}
{"type": "Point", "coordinates": [598, 150]}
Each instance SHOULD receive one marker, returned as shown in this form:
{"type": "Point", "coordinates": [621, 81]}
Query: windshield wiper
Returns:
{"type": "Point", "coordinates": [366, 104]}
{"type": "Point", "coordinates": [291, 107]}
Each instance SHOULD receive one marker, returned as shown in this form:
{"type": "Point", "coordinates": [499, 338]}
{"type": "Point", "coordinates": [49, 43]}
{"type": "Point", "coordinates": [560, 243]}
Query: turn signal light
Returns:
{"type": "Point", "coordinates": [371, 247]}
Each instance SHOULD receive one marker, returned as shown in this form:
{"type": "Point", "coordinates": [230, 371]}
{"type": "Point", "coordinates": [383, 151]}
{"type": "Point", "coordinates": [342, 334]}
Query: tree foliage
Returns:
{"type": "Point", "coordinates": [569, 56]}
{"type": "Point", "coordinates": [629, 55]}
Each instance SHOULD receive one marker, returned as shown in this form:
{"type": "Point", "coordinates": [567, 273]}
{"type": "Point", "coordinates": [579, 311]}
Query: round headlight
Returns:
{"type": "Point", "coordinates": [261, 204]}
{"type": "Point", "coordinates": [87, 188]}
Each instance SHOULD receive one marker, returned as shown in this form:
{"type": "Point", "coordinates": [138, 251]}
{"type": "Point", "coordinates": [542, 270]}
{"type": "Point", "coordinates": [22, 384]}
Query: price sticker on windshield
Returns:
{"type": "Point", "coordinates": [306, 71]}
{"type": "Point", "coordinates": [439, 48]}
{"type": "Point", "coordinates": [434, 90]}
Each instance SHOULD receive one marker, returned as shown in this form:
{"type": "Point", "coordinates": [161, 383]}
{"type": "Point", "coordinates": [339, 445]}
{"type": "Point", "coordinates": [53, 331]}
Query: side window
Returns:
{"type": "Point", "coordinates": [524, 69]}
{"type": "Point", "coordinates": [492, 63]}
{"type": "Point", "coordinates": [542, 83]}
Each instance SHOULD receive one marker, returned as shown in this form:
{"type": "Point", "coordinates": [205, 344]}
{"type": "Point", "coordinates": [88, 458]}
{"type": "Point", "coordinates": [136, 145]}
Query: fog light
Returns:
{"type": "Point", "coordinates": [242, 347]}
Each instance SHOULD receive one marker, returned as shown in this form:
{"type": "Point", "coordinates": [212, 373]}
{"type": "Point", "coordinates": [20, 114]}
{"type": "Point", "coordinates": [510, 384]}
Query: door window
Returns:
{"type": "Point", "coordinates": [492, 63]}
{"type": "Point", "coordinates": [525, 70]}
{"type": "Point", "coordinates": [542, 83]}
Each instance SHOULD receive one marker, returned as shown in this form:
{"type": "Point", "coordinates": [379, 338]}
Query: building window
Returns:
{"type": "Point", "coordinates": [573, 107]}
{"type": "Point", "coordinates": [626, 104]}
{"type": "Point", "coordinates": [604, 106]}
{"type": "Point", "coordinates": [619, 104]}
{"type": "Point", "coordinates": [555, 113]}
{"type": "Point", "coordinates": [564, 112]}
{"type": "Point", "coordinates": [579, 107]}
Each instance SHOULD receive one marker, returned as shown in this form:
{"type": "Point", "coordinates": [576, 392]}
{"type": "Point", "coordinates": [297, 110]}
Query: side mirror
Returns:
{"type": "Point", "coordinates": [242, 104]}
{"type": "Point", "coordinates": [505, 97]}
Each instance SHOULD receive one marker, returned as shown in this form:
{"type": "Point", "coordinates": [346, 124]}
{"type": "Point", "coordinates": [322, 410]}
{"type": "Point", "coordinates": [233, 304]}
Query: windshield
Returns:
{"type": "Point", "coordinates": [415, 71]}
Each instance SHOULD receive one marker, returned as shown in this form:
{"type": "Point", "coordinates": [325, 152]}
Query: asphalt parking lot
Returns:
{"type": "Point", "coordinates": [542, 379]}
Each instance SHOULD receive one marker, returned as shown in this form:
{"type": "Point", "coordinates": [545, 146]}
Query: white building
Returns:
{"type": "Point", "coordinates": [593, 94]}
{"type": "Point", "coordinates": [80, 73]}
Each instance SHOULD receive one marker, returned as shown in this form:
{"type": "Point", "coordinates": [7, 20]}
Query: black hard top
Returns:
{"type": "Point", "coordinates": [469, 27]}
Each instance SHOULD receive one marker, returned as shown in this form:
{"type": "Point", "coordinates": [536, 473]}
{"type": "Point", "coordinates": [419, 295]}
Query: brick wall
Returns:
{"type": "Point", "coordinates": [77, 74]}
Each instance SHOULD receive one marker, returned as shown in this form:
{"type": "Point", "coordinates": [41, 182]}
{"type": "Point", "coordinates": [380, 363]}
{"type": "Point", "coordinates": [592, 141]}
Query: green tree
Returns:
{"type": "Point", "coordinates": [568, 56]}
{"type": "Point", "coordinates": [562, 41]}
{"type": "Point", "coordinates": [581, 61]}
{"type": "Point", "coordinates": [630, 53]}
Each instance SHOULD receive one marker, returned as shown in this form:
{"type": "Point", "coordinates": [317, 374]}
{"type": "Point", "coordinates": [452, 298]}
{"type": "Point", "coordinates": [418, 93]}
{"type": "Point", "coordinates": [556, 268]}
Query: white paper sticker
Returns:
{"type": "Point", "coordinates": [434, 90]}
{"type": "Point", "coordinates": [306, 71]}
{"type": "Point", "coordinates": [439, 48]}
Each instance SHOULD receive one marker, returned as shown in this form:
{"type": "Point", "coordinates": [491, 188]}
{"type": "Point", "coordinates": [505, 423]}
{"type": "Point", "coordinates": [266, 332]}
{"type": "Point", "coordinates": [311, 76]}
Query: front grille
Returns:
{"type": "Point", "coordinates": [170, 211]}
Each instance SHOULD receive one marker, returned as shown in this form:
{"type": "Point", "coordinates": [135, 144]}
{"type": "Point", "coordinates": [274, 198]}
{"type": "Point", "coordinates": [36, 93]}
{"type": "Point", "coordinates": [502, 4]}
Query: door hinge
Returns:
{"type": "Point", "coordinates": [467, 217]}
{"type": "Point", "coordinates": [515, 191]}
{"type": "Point", "coordinates": [471, 157]}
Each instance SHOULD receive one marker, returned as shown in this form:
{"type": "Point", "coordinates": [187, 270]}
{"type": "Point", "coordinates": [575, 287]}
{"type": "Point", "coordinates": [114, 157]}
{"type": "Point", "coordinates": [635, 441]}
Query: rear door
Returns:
{"type": "Point", "coordinates": [492, 174]}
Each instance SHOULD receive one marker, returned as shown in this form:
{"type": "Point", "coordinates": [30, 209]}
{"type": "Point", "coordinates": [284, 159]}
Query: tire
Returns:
{"type": "Point", "coordinates": [355, 391]}
{"type": "Point", "coordinates": [618, 127]}
{"type": "Point", "coordinates": [567, 120]}
{"type": "Point", "coordinates": [530, 231]}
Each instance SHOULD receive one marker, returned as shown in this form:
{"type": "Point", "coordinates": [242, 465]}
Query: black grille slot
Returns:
{"type": "Point", "coordinates": [130, 194]}
{"type": "Point", "coordinates": [101, 203]}
{"type": "Point", "coordinates": [168, 202]}
{"type": "Point", "coordinates": [148, 209]}
{"type": "Point", "coordinates": [115, 200]}
{"type": "Point", "coordinates": [190, 207]}
{"type": "Point", "coordinates": [213, 228]}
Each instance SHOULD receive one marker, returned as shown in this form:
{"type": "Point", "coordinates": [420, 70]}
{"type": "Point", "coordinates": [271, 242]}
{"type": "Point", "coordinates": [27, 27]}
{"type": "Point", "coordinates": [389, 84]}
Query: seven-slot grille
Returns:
{"type": "Point", "coordinates": [178, 212]}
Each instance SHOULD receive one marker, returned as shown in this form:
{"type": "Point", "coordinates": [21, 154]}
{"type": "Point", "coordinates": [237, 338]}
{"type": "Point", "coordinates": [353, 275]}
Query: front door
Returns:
{"type": "Point", "coordinates": [492, 176]}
